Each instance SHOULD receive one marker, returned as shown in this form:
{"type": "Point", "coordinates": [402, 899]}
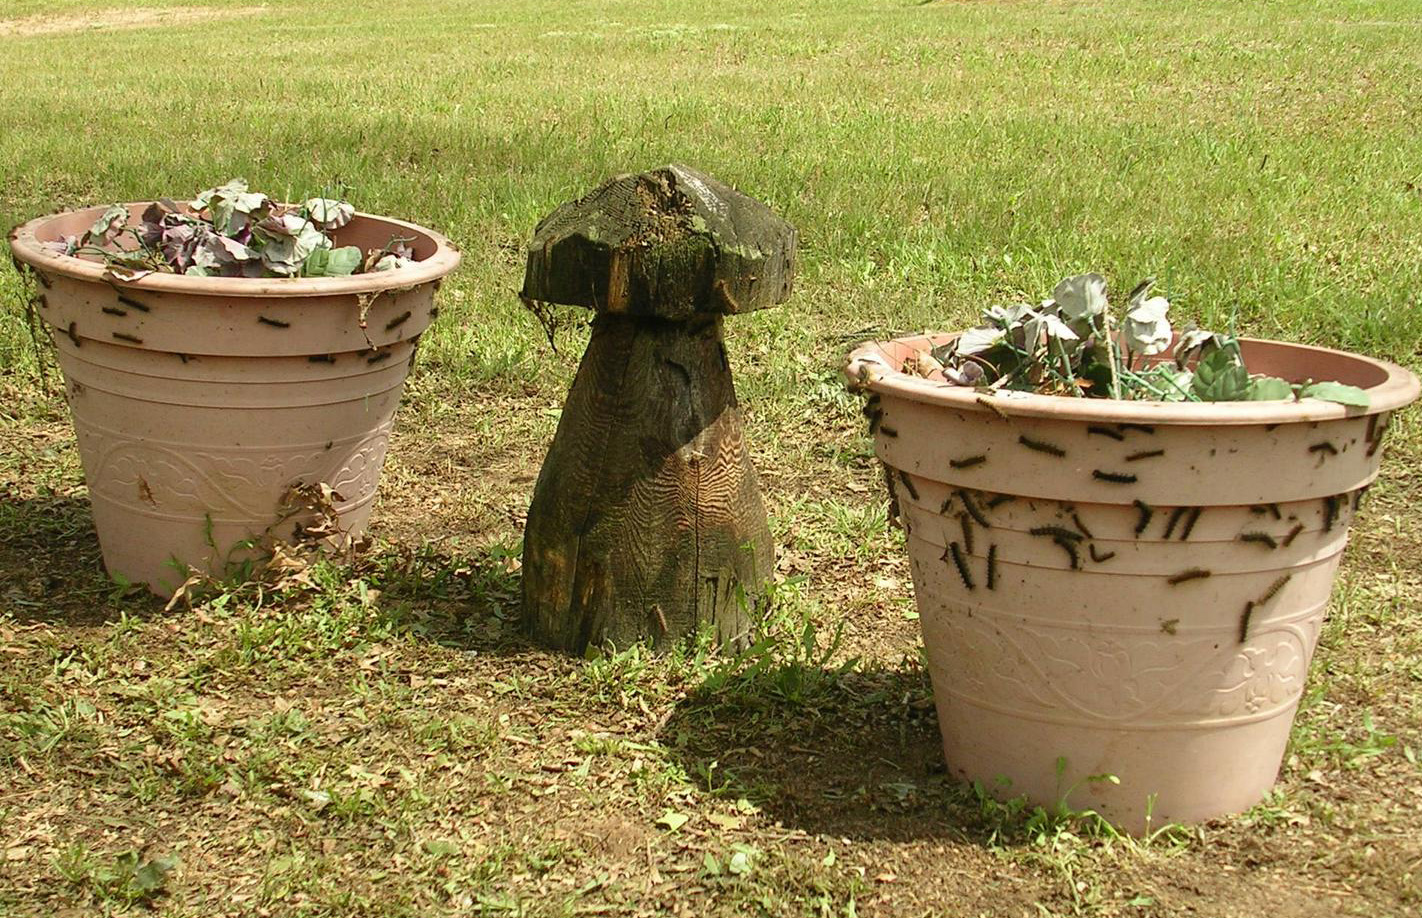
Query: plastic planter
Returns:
{"type": "Point", "coordinates": [1119, 588]}
{"type": "Point", "coordinates": [200, 402]}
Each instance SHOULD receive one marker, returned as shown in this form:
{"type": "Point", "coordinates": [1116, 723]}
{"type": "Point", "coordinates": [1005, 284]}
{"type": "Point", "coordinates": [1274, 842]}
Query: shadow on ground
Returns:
{"type": "Point", "coordinates": [849, 755]}
{"type": "Point", "coordinates": [50, 566]}
{"type": "Point", "coordinates": [463, 599]}
{"type": "Point", "coordinates": [52, 572]}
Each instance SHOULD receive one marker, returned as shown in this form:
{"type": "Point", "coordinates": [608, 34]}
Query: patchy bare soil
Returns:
{"type": "Point", "coordinates": [381, 740]}
{"type": "Point", "coordinates": [133, 18]}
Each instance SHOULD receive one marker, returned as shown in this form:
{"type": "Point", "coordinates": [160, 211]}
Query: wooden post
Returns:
{"type": "Point", "coordinates": [647, 519]}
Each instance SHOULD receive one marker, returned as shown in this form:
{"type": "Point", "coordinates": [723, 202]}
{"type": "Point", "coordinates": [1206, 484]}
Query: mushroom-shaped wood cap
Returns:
{"type": "Point", "coordinates": [670, 243]}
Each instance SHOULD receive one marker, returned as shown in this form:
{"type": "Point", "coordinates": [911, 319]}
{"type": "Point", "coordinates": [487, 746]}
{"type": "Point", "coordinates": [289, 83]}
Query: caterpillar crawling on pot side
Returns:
{"type": "Point", "coordinates": [972, 509]}
{"type": "Point", "coordinates": [1041, 446]}
{"type": "Point", "coordinates": [961, 564]}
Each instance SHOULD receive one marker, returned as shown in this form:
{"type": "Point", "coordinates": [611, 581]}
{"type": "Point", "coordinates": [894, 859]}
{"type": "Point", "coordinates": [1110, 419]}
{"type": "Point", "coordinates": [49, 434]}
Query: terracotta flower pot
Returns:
{"type": "Point", "coordinates": [1121, 588]}
{"type": "Point", "coordinates": [200, 402]}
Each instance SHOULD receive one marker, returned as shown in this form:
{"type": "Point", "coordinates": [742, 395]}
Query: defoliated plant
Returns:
{"type": "Point", "coordinates": [1067, 345]}
{"type": "Point", "coordinates": [230, 231]}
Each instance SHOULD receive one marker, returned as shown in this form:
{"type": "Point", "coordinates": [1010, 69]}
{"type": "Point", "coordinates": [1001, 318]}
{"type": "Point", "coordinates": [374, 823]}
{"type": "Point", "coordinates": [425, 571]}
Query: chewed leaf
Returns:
{"type": "Point", "coordinates": [1269, 389]}
{"type": "Point", "coordinates": [390, 262]}
{"type": "Point", "coordinates": [970, 374]}
{"type": "Point", "coordinates": [231, 187]}
{"type": "Point", "coordinates": [156, 212]}
{"type": "Point", "coordinates": [1351, 396]}
{"type": "Point", "coordinates": [108, 227]}
{"type": "Point", "coordinates": [1082, 297]}
{"type": "Point", "coordinates": [1051, 327]}
{"type": "Point", "coordinates": [219, 254]}
{"type": "Point", "coordinates": [65, 245]}
{"type": "Point", "coordinates": [330, 214]}
{"type": "Point", "coordinates": [1194, 341]}
{"type": "Point", "coordinates": [251, 202]}
{"type": "Point", "coordinates": [977, 340]}
{"type": "Point", "coordinates": [233, 212]}
{"type": "Point", "coordinates": [126, 273]}
{"type": "Point", "coordinates": [287, 241]}
{"type": "Point", "coordinates": [287, 225]}
{"type": "Point", "coordinates": [1147, 328]}
{"type": "Point", "coordinates": [1007, 317]}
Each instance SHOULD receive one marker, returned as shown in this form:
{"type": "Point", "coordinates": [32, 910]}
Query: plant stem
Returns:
{"type": "Point", "coordinates": [1111, 355]}
{"type": "Point", "coordinates": [1156, 384]}
{"type": "Point", "coordinates": [1067, 375]}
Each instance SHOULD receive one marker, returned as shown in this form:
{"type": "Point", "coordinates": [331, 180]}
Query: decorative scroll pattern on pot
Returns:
{"type": "Point", "coordinates": [185, 483]}
{"type": "Point", "coordinates": [1169, 682]}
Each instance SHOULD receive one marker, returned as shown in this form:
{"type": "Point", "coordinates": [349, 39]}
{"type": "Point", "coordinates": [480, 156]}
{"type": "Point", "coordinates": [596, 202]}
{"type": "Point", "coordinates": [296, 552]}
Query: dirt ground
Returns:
{"type": "Point", "coordinates": [137, 17]}
{"type": "Point", "coordinates": [321, 750]}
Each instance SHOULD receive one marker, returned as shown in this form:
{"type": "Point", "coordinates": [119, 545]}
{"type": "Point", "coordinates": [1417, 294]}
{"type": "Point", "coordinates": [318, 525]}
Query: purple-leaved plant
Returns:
{"type": "Point", "coordinates": [231, 231]}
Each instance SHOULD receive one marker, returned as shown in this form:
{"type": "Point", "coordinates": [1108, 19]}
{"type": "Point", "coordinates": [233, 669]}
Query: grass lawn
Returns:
{"type": "Point", "coordinates": [379, 740]}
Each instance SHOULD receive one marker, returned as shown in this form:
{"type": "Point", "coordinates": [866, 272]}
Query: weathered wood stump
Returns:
{"type": "Point", "coordinates": [647, 519]}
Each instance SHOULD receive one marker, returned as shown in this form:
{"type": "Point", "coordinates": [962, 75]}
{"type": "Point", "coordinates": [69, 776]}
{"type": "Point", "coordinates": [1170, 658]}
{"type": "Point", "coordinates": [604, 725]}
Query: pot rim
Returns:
{"type": "Point", "coordinates": [25, 245]}
{"type": "Point", "coordinates": [869, 367]}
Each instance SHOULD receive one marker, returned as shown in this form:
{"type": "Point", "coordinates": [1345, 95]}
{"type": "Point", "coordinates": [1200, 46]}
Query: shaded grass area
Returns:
{"type": "Point", "coordinates": [378, 739]}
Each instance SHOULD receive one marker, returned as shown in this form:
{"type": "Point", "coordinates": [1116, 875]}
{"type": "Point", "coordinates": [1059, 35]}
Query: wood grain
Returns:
{"type": "Point", "coordinates": [670, 243]}
{"type": "Point", "coordinates": [646, 521]}
{"type": "Point", "coordinates": [647, 516]}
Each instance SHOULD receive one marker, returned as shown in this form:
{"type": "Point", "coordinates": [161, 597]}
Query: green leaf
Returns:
{"type": "Point", "coordinates": [325, 262]}
{"type": "Point", "coordinates": [108, 226]}
{"type": "Point", "coordinates": [152, 876]}
{"type": "Point", "coordinates": [673, 820]}
{"type": "Point", "coordinates": [977, 340]}
{"type": "Point", "coordinates": [1099, 375]}
{"type": "Point", "coordinates": [317, 264]}
{"type": "Point", "coordinates": [1167, 384]}
{"type": "Point", "coordinates": [231, 187]}
{"type": "Point", "coordinates": [1221, 377]}
{"type": "Point", "coordinates": [343, 261]}
{"type": "Point", "coordinates": [1351, 396]}
{"type": "Point", "coordinates": [1269, 389]}
{"type": "Point", "coordinates": [330, 213]}
{"type": "Point", "coordinates": [742, 860]}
